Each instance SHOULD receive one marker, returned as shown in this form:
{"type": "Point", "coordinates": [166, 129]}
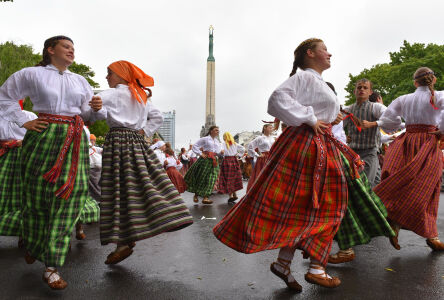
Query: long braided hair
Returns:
{"type": "Point", "coordinates": [425, 77]}
{"type": "Point", "coordinates": [50, 43]}
{"type": "Point", "coordinates": [301, 51]}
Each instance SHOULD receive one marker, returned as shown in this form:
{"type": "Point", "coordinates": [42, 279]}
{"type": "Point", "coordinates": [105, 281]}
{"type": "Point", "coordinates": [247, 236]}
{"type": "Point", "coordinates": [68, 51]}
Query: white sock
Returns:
{"type": "Point", "coordinates": [316, 271]}
{"type": "Point", "coordinates": [51, 278]}
{"type": "Point", "coordinates": [286, 253]}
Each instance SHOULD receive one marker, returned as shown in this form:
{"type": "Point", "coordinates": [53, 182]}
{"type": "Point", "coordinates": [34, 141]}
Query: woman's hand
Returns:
{"type": "Point", "coordinates": [203, 155]}
{"type": "Point", "coordinates": [36, 125]}
{"type": "Point", "coordinates": [338, 119]}
{"type": "Point", "coordinates": [96, 103]}
{"type": "Point", "coordinates": [319, 127]}
{"type": "Point", "coordinates": [141, 132]}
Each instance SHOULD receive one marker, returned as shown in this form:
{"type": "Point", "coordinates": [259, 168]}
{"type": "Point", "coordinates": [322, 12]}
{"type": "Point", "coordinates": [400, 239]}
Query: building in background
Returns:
{"type": "Point", "coordinates": [168, 128]}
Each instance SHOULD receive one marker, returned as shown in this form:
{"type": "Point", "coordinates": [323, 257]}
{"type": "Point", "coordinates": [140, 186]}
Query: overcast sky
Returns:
{"type": "Point", "coordinates": [253, 45]}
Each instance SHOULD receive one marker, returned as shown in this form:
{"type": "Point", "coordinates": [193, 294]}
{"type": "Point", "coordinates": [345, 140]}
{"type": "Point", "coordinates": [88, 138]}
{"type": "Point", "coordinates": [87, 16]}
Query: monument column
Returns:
{"type": "Point", "coordinates": [210, 111]}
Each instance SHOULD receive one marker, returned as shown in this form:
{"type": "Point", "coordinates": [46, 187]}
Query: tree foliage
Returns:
{"type": "Point", "coordinates": [395, 78]}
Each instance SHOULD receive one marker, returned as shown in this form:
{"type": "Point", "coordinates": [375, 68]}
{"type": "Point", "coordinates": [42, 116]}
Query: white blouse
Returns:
{"type": "Point", "coordinates": [304, 98]}
{"type": "Point", "coordinates": [125, 111]}
{"type": "Point", "coordinates": [234, 149]}
{"type": "Point", "coordinates": [11, 131]}
{"type": "Point", "coordinates": [160, 155]}
{"type": "Point", "coordinates": [51, 91]}
{"type": "Point", "coordinates": [95, 157]}
{"type": "Point", "coordinates": [191, 154]}
{"type": "Point", "coordinates": [414, 108]}
{"type": "Point", "coordinates": [339, 133]}
{"type": "Point", "coordinates": [262, 142]}
{"type": "Point", "coordinates": [208, 144]}
{"type": "Point", "coordinates": [172, 162]}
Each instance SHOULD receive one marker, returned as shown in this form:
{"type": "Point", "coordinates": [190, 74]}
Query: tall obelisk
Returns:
{"type": "Point", "coordinates": [210, 112]}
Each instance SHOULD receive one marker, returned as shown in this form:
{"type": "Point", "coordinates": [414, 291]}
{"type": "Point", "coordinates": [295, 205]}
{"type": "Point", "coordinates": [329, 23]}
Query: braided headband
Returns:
{"type": "Point", "coordinates": [424, 74]}
{"type": "Point", "coordinates": [306, 42]}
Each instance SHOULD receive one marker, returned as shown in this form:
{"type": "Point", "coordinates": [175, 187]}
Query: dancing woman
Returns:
{"type": "Point", "coordinates": [412, 170]}
{"type": "Point", "coordinates": [55, 160]}
{"type": "Point", "coordinates": [300, 197]}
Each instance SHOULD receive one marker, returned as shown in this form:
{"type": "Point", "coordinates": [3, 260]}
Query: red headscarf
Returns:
{"type": "Point", "coordinates": [134, 76]}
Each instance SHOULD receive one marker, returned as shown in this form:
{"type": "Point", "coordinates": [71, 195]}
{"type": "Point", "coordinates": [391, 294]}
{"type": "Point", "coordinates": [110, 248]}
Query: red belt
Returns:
{"type": "Point", "coordinates": [74, 135]}
{"type": "Point", "coordinates": [211, 155]}
{"type": "Point", "coordinates": [355, 161]}
{"type": "Point", "coordinates": [415, 128]}
{"type": "Point", "coordinates": [6, 145]}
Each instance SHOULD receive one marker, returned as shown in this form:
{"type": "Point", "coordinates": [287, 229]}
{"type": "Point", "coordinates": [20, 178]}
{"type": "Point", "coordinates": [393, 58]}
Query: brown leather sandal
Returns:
{"type": "Point", "coordinates": [435, 244]}
{"type": "Point", "coordinates": [341, 257]}
{"type": "Point", "coordinates": [29, 259]}
{"type": "Point", "coordinates": [131, 245]}
{"type": "Point", "coordinates": [322, 279]}
{"type": "Point", "coordinates": [116, 257]}
{"type": "Point", "coordinates": [293, 285]}
{"type": "Point", "coordinates": [205, 200]}
{"type": "Point", "coordinates": [80, 235]}
{"type": "Point", "coordinates": [394, 239]}
{"type": "Point", "coordinates": [59, 284]}
{"type": "Point", "coordinates": [195, 199]}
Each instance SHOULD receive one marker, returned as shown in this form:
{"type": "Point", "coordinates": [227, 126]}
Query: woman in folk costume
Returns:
{"type": "Point", "coordinates": [202, 175]}
{"type": "Point", "coordinates": [185, 160]}
{"type": "Point", "coordinates": [55, 160]}
{"type": "Point", "coordinates": [172, 167]}
{"type": "Point", "coordinates": [138, 199]}
{"type": "Point", "coordinates": [260, 148]}
{"type": "Point", "coordinates": [91, 211]}
{"type": "Point", "coordinates": [366, 216]}
{"type": "Point", "coordinates": [159, 148]}
{"type": "Point", "coordinates": [192, 156]}
{"type": "Point", "coordinates": [411, 175]}
{"type": "Point", "coordinates": [11, 136]}
{"type": "Point", "coordinates": [230, 177]}
{"type": "Point", "coordinates": [300, 197]}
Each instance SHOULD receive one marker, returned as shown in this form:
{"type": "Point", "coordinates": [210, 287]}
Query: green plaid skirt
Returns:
{"type": "Point", "coordinates": [201, 177]}
{"type": "Point", "coordinates": [366, 214]}
{"type": "Point", "coordinates": [48, 221]}
{"type": "Point", "coordinates": [90, 212]}
{"type": "Point", "coordinates": [10, 192]}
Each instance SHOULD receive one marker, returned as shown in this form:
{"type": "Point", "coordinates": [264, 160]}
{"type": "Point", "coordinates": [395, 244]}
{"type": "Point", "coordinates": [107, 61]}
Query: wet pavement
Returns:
{"type": "Point", "coordinates": [192, 264]}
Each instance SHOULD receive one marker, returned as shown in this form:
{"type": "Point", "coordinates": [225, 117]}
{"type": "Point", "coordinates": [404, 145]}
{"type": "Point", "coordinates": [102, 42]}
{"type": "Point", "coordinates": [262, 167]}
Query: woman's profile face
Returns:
{"type": "Point", "coordinates": [114, 79]}
{"type": "Point", "coordinates": [62, 53]}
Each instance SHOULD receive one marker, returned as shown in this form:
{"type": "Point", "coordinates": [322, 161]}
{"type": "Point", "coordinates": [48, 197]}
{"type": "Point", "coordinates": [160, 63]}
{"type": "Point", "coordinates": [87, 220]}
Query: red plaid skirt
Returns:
{"type": "Point", "coordinates": [260, 164]}
{"type": "Point", "coordinates": [230, 176]}
{"type": "Point", "coordinates": [411, 180]}
{"type": "Point", "coordinates": [177, 179]}
{"type": "Point", "coordinates": [281, 208]}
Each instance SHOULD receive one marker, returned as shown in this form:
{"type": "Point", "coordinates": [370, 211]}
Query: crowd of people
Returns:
{"type": "Point", "coordinates": [328, 176]}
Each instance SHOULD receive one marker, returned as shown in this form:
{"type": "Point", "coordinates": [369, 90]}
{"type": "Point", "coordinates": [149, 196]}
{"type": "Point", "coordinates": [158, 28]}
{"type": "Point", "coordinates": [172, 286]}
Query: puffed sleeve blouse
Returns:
{"type": "Point", "coordinates": [414, 108]}
{"type": "Point", "coordinates": [304, 98]}
{"type": "Point", "coordinates": [51, 91]}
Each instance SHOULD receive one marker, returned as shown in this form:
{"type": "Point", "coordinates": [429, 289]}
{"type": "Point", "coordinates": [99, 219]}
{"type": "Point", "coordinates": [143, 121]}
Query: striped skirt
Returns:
{"type": "Point", "coordinates": [10, 192]}
{"type": "Point", "coordinates": [48, 221]}
{"type": "Point", "coordinates": [138, 199]}
{"type": "Point", "coordinates": [177, 179]}
{"type": "Point", "coordinates": [201, 177]}
{"type": "Point", "coordinates": [366, 214]}
{"type": "Point", "coordinates": [258, 167]}
{"type": "Point", "coordinates": [230, 177]}
{"type": "Point", "coordinates": [299, 199]}
{"type": "Point", "coordinates": [411, 179]}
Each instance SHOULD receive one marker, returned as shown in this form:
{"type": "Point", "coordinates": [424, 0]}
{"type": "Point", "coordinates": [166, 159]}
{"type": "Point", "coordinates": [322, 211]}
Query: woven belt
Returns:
{"type": "Point", "coordinates": [74, 135]}
{"type": "Point", "coordinates": [415, 128]}
{"type": "Point", "coordinates": [211, 155]}
{"type": "Point", "coordinates": [6, 145]}
{"type": "Point", "coordinates": [355, 161]}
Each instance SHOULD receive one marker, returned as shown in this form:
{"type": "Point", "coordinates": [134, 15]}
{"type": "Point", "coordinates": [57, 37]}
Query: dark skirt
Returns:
{"type": "Point", "coordinates": [138, 199]}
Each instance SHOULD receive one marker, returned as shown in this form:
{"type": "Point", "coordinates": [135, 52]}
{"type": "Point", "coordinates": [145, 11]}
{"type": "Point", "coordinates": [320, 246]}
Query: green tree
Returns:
{"type": "Point", "coordinates": [395, 78]}
{"type": "Point", "coordinates": [85, 71]}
